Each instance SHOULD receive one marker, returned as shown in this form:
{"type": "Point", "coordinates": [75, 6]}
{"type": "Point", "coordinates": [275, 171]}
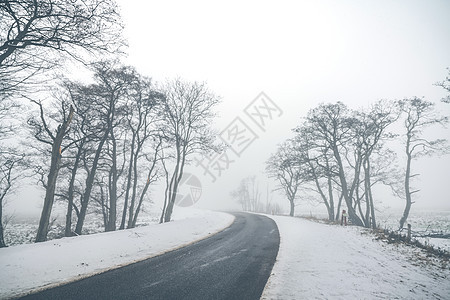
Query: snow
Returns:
{"type": "Point", "coordinates": [36, 266]}
{"type": "Point", "coordinates": [315, 260]}
{"type": "Point", "coordinates": [319, 261]}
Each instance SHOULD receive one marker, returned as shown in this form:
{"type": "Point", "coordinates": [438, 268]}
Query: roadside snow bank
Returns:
{"type": "Point", "coordinates": [318, 261]}
{"type": "Point", "coordinates": [35, 266]}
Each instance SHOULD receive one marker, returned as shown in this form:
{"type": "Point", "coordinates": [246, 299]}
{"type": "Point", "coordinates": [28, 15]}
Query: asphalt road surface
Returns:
{"type": "Point", "coordinates": [233, 264]}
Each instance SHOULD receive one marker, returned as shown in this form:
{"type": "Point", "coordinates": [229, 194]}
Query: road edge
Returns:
{"type": "Point", "coordinates": [101, 271]}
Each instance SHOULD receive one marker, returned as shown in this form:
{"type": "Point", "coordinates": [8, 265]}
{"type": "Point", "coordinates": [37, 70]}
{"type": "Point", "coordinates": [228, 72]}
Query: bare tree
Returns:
{"type": "Point", "coordinates": [152, 176]}
{"type": "Point", "coordinates": [419, 114]}
{"type": "Point", "coordinates": [142, 121]}
{"type": "Point", "coordinates": [372, 132]}
{"type": "Point", "coordinates": [103, 104]}
{"type": "Point", "coordinates": [317, 159]}
{"type": "Point", "coordinates": [188, 114]}
{"type": "Point", "coordinates": [43, 133]}
{"type": "Point", "coordinates": [242, 195]}
{"type": "Point", "coordinates": [288, 167]}
{"type": "Point", "coordinates": [79, 139]}
{"type": "Point", "coordinates": [248, 195]}
{"type": "Point", "coordinates": [334, 125]}
{"type": "Point", "coordinates": [34, 33]}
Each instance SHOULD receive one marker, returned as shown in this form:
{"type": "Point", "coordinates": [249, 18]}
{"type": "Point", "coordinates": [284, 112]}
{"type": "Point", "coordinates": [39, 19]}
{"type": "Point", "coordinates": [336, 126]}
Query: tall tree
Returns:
{"type": "Point", "coordinates": [319, 162]}
{"type": "Point", "coordinates": [44, 134]}
{"type": "Point", "coordinates": [334, 125]}
{"type": "Point", "coordinates": [372, 131]}
{"type": "Point", "coordinates": [142, 120]}
{"type": "Point", "coordinates": [152, 176]}
{"type": "Point", "coordinates": [419, 115]}
{"type": "Point", "coordinates": [103, 104]}
{"type": "Point", "coordinates": [188, 113]}
{"type": "Point", "coordinates": [35, 34]}
{"type": "Point", "coordinates": [79, 138]}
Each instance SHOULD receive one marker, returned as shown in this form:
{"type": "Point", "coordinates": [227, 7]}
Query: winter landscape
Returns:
{"type": "Point", "coordinates": [350, 263]}
{"type": "Point", "coordinates": [238, 150]}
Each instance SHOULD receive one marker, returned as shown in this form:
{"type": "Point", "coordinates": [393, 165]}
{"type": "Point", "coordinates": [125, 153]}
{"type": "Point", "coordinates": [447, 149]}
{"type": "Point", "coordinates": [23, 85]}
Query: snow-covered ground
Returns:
{"type": "Point", "coordinates": [319, 261]}
{"type": "Point", "coordinates": [423, 222]}
{"type": "Point", "coordinates": [34, 266]}
{"type": "Point", "coordinates": [315, 261]}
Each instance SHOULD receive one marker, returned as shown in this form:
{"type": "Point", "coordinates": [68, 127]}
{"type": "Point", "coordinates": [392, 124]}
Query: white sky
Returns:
{"type": "Point", "coordinates": [300, 53]}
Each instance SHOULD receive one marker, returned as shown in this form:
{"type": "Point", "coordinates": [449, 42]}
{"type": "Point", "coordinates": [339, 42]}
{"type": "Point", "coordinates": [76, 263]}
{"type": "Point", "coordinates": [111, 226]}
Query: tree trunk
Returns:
{"type": "Point", "coordinates": [2, 240]}
{"type": "Point", "coordinates": [113, 189]}
{"type": "Point", "coordinates": [104, 208]}
{"type": "Point", "coordinates": [407, 187]}
{"type": "Point", "coordinates": [347, 197]}
{"type": "Point", "coordinates": [358, 205]}
{"type": "Point", "coordinates": [291, 212]}
{"type": "Point", "coordinates": [144, 191]}
{"type": "Point", "coordinates": [373, 221]}
{"type": "Point", "coordinates": [177, 173]}
{"type": "Point", "coordinates": [330, 193]}
{"type": "Point", "coordinates": [330, 209]}
{"type": "Point", "coordinates": [338, 211]}
{"type": "Point", "coordinates": [134, 190]}
{"type": "Point", "coordinates": [166, 193]}
{"type": "Point", "coordinates": [138, 209]}
{"type": "Point", "coordinates": [49, 193]}
{"type": "Point", "coordinates": [89, 185]}
{"type": "Point", "coordinates": [41, 235]}
{"type": "Point", "coordinates": [2, 196]}
{"type": "Point", "coordinates": [127, 190]}
{"type": "Point", "coordinates": [68, 229]}
{"type": "Point", "coordinates": [171, 202]}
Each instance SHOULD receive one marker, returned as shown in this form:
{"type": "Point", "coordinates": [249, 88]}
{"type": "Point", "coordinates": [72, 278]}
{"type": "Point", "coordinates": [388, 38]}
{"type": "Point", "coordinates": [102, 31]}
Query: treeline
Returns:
{"type": "Point", "coordinates": [95, 145]}
{"type": "Point", "coordinates": [340, 154]}
{"type": "Point", "coordinates": [251, 196]}
{"type": "Point", "coordinates": [111, 139]}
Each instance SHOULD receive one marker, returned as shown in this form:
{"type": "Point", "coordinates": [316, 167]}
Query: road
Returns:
{"type": "Point", "coordinates": [233, 264]}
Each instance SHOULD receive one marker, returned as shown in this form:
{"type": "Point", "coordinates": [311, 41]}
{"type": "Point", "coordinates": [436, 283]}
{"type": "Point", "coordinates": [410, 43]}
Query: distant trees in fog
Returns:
{"type": "Point", "coordinates": [340, 154]}
{"type": "Point", "coordinates": [251, 197]}
{"type": "Point", "coordinates": [286, 166]}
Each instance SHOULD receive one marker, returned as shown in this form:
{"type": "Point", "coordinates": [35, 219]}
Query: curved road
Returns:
{"type": "Point", "coordinates": [233, 264]}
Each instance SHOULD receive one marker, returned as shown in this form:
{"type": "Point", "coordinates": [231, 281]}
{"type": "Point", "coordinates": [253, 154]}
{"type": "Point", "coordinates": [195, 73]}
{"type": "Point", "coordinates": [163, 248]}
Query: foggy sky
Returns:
{"type": "Point", "coordinates": [300, 53]}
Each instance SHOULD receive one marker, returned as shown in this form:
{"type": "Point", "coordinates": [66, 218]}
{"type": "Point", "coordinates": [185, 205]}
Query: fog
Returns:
{"type": "Point", "coordinates": [300, 54]}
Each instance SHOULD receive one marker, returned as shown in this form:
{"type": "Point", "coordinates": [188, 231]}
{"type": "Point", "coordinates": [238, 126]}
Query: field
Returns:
{"type": "Point", "coordinates": [422, 223]}
{"type": "Point", "coordinates": [23, 230]}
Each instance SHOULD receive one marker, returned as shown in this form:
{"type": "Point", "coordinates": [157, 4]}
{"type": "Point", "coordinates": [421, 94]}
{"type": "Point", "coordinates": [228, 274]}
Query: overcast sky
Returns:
{"type": "Point", "coordinates": [300, 53]}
